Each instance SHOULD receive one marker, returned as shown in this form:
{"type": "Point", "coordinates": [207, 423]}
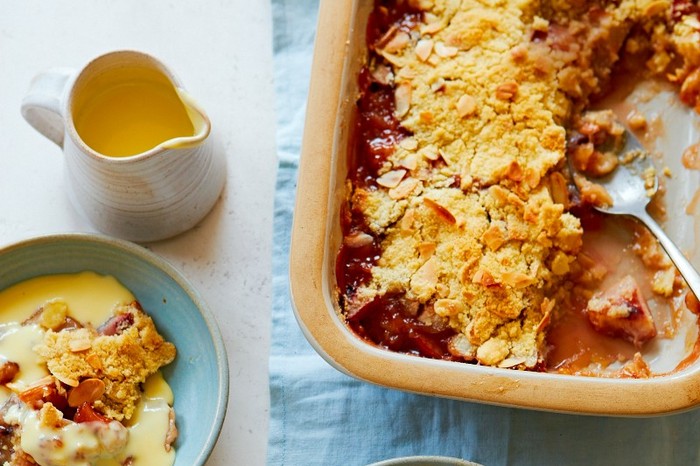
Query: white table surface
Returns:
{"type": "Point", "coordinates": [221, 50]}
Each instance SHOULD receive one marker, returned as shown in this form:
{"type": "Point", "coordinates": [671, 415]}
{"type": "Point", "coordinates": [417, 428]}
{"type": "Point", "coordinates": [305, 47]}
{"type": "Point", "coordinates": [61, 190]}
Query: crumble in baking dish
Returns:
{"type": "Point", "coordinates": [463, 234]}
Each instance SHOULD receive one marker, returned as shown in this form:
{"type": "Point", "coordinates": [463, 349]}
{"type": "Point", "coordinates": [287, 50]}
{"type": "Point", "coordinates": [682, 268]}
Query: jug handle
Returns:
{"type": "Point", "coordinates": [42, 106]}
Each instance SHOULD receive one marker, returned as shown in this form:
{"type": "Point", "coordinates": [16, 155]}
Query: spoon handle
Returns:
{"type": "Point", "coordinates": [689, 273]}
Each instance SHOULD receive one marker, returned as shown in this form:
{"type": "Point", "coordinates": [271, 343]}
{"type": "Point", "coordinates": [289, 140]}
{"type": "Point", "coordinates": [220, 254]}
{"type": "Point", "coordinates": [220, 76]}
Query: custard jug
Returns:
{"type": "Point", "coordinates": [139, 160]}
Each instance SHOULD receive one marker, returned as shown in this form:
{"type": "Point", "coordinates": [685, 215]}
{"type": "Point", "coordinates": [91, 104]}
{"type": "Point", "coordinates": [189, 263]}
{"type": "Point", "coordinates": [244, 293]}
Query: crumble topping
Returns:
{"type": "Point", "coordinates": [468, 214]}
{"type": "Point", "coordinates": [122, 358]}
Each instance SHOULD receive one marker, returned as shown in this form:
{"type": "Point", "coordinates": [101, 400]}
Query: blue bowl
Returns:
{"type": "Point", "coordinates": [199, 375]}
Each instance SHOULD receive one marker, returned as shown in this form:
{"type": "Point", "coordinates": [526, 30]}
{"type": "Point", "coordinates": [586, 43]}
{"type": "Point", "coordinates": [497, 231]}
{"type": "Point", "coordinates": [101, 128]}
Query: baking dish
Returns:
{"type": "Point", "coordinates": [340, 52]}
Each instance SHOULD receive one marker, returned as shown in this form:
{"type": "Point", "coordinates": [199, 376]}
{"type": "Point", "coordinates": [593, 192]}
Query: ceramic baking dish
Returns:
{"type": "Point", "coordinates": [340, 52]}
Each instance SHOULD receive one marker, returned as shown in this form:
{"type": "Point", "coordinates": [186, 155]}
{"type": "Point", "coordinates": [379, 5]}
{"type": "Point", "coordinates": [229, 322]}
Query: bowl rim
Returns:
{"type": "Point", "coordinates": [424, 460]}
{"type": "Point", "coordinates": [312, 295]}
{"type": "Point", "coordinates": [222, 395]}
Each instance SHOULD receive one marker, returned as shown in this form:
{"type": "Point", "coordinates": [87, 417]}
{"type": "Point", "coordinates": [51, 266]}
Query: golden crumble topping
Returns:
{"type": "Point", "coordinates": [122, 360]}
{"type": "Point", "coordinates": [468, 213]}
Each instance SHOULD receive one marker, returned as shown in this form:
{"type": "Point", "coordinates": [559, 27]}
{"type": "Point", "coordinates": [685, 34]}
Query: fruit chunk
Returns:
{"type": "Point", "coordinates": [622, 311]}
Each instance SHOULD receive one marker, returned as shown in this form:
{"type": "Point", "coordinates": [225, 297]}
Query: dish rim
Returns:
{"type": "Point", "coordinates": [312, 296]}
{"type": "Point", "coordinates": [147, 256]}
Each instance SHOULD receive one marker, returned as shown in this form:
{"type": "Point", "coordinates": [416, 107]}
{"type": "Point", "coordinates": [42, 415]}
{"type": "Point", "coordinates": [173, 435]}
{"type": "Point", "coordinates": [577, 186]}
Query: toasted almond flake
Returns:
{"type": "Point", "coordinates": [398, 42]}
{"type": "Point", "coordinates": [484, 278]}
{"type": "Point", "coordinates": [409, 144]}
{"type": "Point", "coordinates": [426, 250]}
{"type": "Point", "coordinates": [512, 361]}
{"type": "Point", "coordinates": [406, 222]}
{"type": "Point", "coordinates": [426, 277]}
{"type": "Point", "coordinates": [466, 106]}
{"type": "Point", "coordinates": [547, 306]}
{"type": "Point", "coordinates": [386, 38]}
{"type": "Point", "coordinates": [67, 380]}
{"type": "Point", "coordinates": [430, 152]}
{"type": "Point", "coordinates": [466, 182]}
{"type": "Point", "coordinates": [560, 189]}
{"type": "Point", "coordinates": [437, 85]}
{"type": "Point", "coordinates": [445, 51]}
{"type": "Point", "coordinates": [517, 279]}
{"type": "Point", "coordinates": [515, 171]}
{"type": "Point", "coordinates": [87, 391]}
{"type": "Point", "coordinates": [441, 211]}
{"type": "Point", "coordinates": [94, 361]}
{"type": "Point", "coordinates": [507, 90]}
{"type": "Point", "coordinates": [79, 344]}
{"type": "Point", "coordinates": [383, 74]}
{"type": "Point", "coordinates": [358, 239]}
{"type": "Point", "coordinates": [433, 24]}
{"type": "Point", "coordinates": [493, 237]}
{"type": "Point", "coordinates": [397, 61]}
{"type": "Point", "coordinates": [410, 162]}
{"type": "Point", "coordinates": [402, 99]}
{"type": "Point", "coordinates": [392, 178]}
{"type": "Point", "coordinates": [424, 48]}
{"type": "Point", "coordinates": [404, 189]}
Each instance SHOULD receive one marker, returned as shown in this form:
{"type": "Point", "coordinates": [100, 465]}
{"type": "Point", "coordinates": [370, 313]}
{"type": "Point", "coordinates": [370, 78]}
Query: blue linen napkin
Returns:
{"type": "Point", "coordinates": [320, 416]}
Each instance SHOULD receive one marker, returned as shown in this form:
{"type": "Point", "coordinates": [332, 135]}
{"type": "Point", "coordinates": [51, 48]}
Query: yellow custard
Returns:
{"type": "Point", "coordinates": [91, 299]}
{"type": "Point", "coordinates": [134, 112]}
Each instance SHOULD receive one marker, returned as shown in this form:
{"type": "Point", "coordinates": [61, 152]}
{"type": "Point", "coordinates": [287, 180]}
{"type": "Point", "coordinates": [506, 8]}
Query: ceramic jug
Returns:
{"type": "Point", "coordinates": [140, 162]}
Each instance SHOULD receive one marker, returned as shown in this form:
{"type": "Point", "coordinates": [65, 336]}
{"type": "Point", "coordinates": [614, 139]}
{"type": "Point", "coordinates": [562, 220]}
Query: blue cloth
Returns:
{"type": "Point", "coordinates": [320, 416]}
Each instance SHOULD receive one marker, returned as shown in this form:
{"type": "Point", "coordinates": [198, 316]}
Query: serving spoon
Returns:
{"type": "Point", "coordinates": [631, 193]}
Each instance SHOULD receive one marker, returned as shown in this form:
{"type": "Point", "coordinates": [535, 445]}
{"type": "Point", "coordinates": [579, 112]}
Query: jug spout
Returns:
{"type": "Point", "coordinates": [200, 124]}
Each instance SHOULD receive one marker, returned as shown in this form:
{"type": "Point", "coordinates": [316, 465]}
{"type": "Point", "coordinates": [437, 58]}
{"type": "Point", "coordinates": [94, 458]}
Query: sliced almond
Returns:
{"type": "Point", "coordinates": [512, 362]}
{"type": "Point", "coordinates": [94, 361]}
{"type": "Point", "coordinates": [517, 279]}
{"type": "Point", "coordinates": [493, 237]}
{"type": "Point", "coordinates": [402, 99]}
{"type": "Point", "coordinates": [426, 277]}
{"type": "Point", "coordinates": [79, 344]}
{"type": "Point", "coordinates": [88, 391]}
{"type": "Point", "coordinates": [358, 239]}
{"type": "Point", "coordinates": [391, 179]}
{"type": "Point", "coordinates": [409, 143]}
{"type": "Point", "coordinates": [398, 42]}
{"type": "Point", "coordinates": [426, 250]}
{"type": "Point", "coordinates": [71, 382]}
{"type": "Point", "coordinates": [483, 277]}
{"type": "Point", "coordinates": [383, 74]}
{"type": "Point", "coordinates": [438, 85]}
{"type": "Point", "coordinates": [441, 211]}
{"type": "Point", "coordinates": [424, 48]}
{"type": "Point", "coordinates": [466, 106]}
{"type": "Point", "coordinates": [410, 162]}
{"type": "Point", "coordinates": [507, 90]}
{"type": "Point", "coordinates": [445, 51]}
{"type": "Point", "coordinates": [430, 152]}
{"type": "Point", "coordinates": [404, 189]}
{"type": "Point", "coordinates": [406, 222]}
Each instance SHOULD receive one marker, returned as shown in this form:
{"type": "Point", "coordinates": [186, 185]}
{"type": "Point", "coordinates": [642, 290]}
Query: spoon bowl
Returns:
{"type": "Point", "coordinates": [631, 185]}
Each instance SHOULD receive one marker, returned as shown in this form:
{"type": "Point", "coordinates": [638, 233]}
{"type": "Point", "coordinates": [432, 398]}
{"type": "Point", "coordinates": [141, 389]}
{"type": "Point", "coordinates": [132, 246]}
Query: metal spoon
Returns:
{"type": "Point", "coordinates": [630, 196]}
